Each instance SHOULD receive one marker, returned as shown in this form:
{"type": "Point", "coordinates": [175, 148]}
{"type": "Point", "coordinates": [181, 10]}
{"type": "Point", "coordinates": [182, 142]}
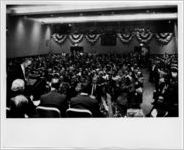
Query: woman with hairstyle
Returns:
{"type": "Point", "coordinates": [20, 106]}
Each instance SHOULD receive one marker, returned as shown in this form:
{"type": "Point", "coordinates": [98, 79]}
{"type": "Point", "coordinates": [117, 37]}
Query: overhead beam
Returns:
{"type": "Point", "coordinates": [108, 18]}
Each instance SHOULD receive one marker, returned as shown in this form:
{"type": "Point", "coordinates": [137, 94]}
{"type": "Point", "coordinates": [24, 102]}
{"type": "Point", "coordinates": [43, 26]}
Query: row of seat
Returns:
{"type": "Point", "coordinates": [52, 112]}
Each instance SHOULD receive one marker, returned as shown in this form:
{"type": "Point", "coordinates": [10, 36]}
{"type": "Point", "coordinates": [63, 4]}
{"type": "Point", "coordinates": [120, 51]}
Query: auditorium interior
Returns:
{"type": "Point", "coordinates": [92, 59]}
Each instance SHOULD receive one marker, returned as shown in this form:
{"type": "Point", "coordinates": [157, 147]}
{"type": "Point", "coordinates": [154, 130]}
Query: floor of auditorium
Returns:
{"type": "Point", "coordinates": [147, 93]}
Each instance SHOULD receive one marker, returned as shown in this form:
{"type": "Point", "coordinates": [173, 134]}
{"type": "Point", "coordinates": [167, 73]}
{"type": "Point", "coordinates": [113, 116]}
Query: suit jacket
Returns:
{"type": "Point", "coordinates": [86, 102]}
{"type": "Point", "coordinates": [55, 99]}
{"type": "Point", "coordinates": [16, 73]}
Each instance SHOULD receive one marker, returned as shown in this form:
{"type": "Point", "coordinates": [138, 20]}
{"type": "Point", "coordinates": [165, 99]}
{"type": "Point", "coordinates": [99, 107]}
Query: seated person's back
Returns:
{"type": "Point", "coordinates": [54, 98]}
{"type": "Point", "coordinates": [20, 105]}
{"type": "Point", "coordinates": [84, 101]}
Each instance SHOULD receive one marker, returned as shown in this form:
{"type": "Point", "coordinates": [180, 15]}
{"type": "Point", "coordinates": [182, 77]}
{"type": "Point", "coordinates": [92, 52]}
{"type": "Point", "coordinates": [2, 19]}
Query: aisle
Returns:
{"type": "Point", "coordinates": [147, 93]}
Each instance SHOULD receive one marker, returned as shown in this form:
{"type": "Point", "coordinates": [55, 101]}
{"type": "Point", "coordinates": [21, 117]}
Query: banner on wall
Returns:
{"type": "Point", "coordinates": [92, 38]}
{"type": "Point", "coordinates": [164, 38]}
{"type": "Point", "coordinates": [125, 38]}
{"type": "Point", "coordinates": [59, 38]}
{"type": "Point", "coordinates": [76, 38]}
{"type": "Point", "coordinates": [144, 36]}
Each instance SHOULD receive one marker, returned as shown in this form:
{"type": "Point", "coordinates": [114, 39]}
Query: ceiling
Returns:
{"type": "Point", "coordinates": [85, 6]}
{"type": "Point", "coordinates": [85, 16]}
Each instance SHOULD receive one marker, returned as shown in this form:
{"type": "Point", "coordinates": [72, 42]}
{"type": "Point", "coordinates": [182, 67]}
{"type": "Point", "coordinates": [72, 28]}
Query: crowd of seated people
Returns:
{"type": "Point", "coordinates": [164, 74]}
{"type": "Point", "coordinates": [105, 85]}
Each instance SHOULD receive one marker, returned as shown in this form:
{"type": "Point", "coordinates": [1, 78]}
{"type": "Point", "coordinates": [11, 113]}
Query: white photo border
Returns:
{"type": "Point", "coordinates": [91, 133]}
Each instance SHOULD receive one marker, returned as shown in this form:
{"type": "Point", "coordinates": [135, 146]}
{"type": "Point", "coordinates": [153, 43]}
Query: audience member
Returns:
{"type": "Point", "coordinates": [54, 98]}
{"type": "Point", "coordinates": [84, 101]}
{"type": "Point", "coordinates": [20, 104]}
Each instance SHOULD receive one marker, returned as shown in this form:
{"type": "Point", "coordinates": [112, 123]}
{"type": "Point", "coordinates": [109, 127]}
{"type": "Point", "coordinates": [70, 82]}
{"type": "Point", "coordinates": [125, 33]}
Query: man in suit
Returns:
{"type": "Point", "coordinates": [84, 101]}
{"type": "Point", "coordinates": [17, 72]}
{"type": "Point", "coordinates": [54, 98]}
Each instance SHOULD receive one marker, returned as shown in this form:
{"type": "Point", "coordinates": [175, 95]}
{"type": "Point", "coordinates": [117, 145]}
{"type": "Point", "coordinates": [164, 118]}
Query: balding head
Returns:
{"type": "Point", "coordinates": [18, 85]}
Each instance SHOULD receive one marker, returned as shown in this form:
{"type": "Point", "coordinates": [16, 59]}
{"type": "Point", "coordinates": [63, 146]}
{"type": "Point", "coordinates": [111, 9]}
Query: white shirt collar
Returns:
{"type": "Point", "coordinates": [22, 67]}
{"type": "Point", "coordinates": [23, 70]}
{"type": "Point", "coordinates": [82, 93]}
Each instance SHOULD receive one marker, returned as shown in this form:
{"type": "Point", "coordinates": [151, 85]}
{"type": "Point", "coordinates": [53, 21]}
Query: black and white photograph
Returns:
{"type": "Point", "coordinates": [91, 63]}
{"type": "Point", "coordinates": [92, 60]}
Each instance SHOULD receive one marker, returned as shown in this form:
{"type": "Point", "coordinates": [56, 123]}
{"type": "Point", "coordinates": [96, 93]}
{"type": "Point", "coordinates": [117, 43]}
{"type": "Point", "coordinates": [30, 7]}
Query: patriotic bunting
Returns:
{"type": "Point", "coordinates": [76, 38]}
{"type": "Point", "coordinates": [59, 38]}
{"type": "Point", "coordinates": [164, 38]}
{"type": "Point", "coordinates": [125, 38]}
{"type": "Point", "coordinates": [92, 38]}
{"type": "Point", "coordinates": [143, 36]}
